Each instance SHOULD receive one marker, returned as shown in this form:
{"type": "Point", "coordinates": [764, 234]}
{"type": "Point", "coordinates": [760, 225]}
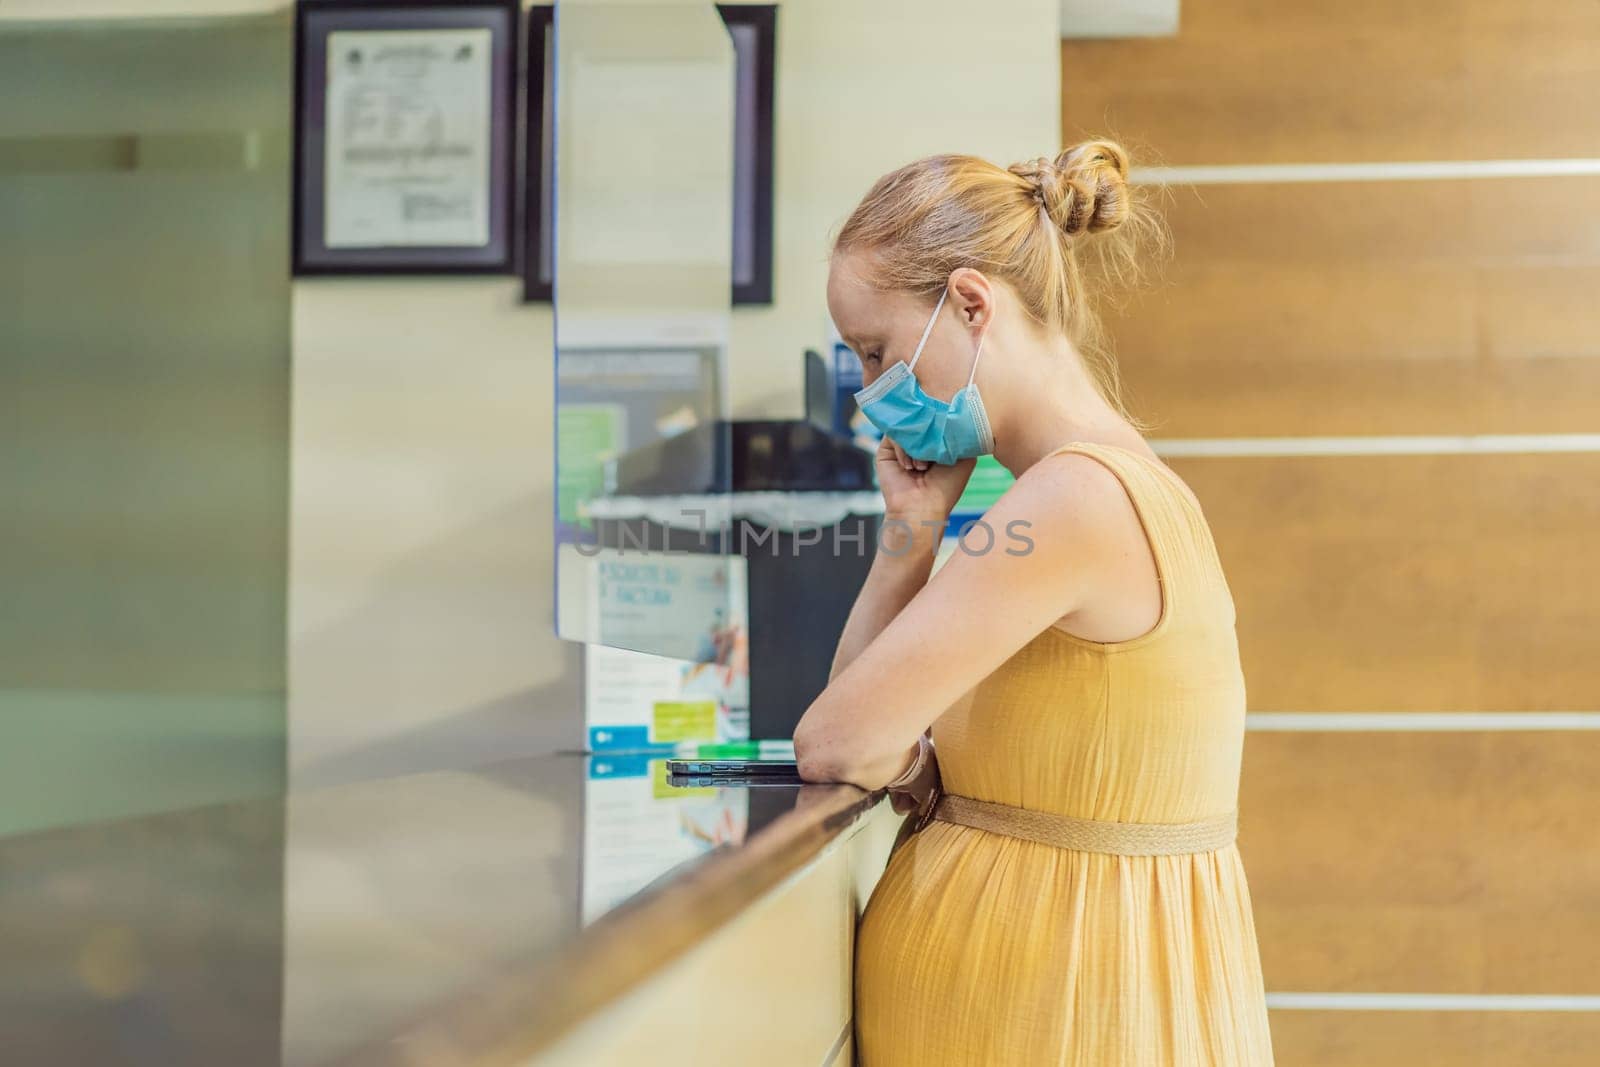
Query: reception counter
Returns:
{"type": "Point", "coordinates": [562, 909]}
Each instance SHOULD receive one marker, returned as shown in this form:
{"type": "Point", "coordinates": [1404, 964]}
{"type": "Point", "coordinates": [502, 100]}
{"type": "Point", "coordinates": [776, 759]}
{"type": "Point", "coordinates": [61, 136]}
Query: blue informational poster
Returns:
{"type": "Point", "coordinates": [639, 702]}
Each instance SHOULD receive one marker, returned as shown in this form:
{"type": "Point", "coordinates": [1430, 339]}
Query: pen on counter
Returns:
{"type": "Point", "coordinates": [735, 749]}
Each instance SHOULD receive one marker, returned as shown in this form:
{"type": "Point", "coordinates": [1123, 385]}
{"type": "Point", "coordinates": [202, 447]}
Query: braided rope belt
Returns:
{"type": "Point", "coordinates": [1089, 835]}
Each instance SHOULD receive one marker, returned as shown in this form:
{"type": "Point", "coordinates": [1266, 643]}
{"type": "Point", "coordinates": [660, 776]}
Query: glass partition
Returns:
{"type": "Point", "coordinates": [644, 117]}
{"type": "Point", "coordinates": [144, 408]}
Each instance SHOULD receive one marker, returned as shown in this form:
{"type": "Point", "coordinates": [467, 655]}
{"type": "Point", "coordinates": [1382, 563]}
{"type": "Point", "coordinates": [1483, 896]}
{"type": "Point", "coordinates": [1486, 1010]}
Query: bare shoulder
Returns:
{"type": "Point", "coordinates": [1075, 485]}
{"type": "Point", "coordinates": [1055, 542]}
{"type": "Point", "coordinates": [1070, 504]}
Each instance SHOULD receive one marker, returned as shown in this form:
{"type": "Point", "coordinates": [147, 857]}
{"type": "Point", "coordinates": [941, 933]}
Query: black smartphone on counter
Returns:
{"type": "Point", "coordinates": [737, 770]}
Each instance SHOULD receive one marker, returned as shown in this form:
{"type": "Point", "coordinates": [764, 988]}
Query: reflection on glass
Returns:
{"type": "Point", "coordinates": [644, 207]}
{"type": "Point", "coordinates": [638, 830]}
{"type": "Point", "coordinates": [330, 924]}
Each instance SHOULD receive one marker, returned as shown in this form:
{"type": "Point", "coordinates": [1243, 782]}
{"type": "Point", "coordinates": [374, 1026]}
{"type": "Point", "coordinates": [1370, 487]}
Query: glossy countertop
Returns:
{"type": "Point", "coordinates": [452, 911]}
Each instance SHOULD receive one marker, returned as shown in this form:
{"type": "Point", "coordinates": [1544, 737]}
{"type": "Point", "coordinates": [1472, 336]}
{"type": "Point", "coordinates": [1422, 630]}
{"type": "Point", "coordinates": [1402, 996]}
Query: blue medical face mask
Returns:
{"type": "Point", "coordinates": [928, 429]}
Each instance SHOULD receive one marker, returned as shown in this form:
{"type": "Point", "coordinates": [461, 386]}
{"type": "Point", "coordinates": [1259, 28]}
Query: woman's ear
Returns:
{"type": "Point", "coordinates": [973, 295]}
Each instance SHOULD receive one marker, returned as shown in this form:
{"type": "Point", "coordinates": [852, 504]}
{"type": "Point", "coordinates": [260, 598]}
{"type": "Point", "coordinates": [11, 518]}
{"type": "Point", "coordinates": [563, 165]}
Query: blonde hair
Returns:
{"type": "Point", "coordinates": [1024, 224]}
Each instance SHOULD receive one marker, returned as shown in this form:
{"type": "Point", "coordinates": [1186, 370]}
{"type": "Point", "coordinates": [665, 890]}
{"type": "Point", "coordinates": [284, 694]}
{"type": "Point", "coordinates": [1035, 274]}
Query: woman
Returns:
{"type": "Point", "coordinates": [1074, 894]}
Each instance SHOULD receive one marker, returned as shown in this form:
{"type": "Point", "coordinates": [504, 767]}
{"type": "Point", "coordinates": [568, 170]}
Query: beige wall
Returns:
{"type": "Point", "coordinates": [420, 589]}
{"type": "Point", "coordinates": [54, 10]}
{"type": "Point", "coordinates": [864, 86]}
{"type": "Point", "coordinates": [420, 612]}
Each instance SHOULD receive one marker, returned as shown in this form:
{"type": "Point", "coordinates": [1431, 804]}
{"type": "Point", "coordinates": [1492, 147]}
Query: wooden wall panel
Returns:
{"type": "Point", "coordinates": [1390, 862]}
{"type": "Point", "coordinates": [1370, 308]}
{"type": "Point", "coordinates": [1306, 80]}
{"type": "Point", "coordinates": [1433, 1038]}
{"type": "Point", "coordinates": [1451, 582]}
{"type": "Point", "coordinates": [1424, 862]}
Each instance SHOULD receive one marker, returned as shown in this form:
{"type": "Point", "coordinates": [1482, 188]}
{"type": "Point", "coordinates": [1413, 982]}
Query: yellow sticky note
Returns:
{"type": "Point", "coordinates": [685, 720]}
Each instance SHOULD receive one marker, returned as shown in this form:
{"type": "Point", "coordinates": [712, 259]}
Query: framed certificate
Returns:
{"type": "Point", "coordinates": [404, 126]}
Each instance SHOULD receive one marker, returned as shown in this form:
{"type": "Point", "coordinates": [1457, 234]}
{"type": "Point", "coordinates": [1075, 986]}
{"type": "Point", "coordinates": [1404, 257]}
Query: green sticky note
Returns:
{"type": "Point", "coordinates": [988, 483]}
{"type": "Point", "coordinates": [685, 720]}
{"type": "Point", "coordinates": [730, 750]}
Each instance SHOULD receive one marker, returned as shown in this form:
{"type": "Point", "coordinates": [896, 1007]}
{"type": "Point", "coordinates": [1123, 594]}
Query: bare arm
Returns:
{"type": "Point", "coordinates": [904, 560]}
{"type": "Point", "coordinates": [918, 498]}
{"type": "Point", "coordinates": [1057, 532]}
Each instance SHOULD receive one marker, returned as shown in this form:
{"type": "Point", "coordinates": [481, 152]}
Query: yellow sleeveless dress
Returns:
{"type": "Point", "coordinates": [991, 951]}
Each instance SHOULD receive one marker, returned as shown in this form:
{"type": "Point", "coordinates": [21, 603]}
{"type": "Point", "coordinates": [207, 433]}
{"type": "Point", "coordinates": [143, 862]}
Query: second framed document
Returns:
{"type": "Point", "coordinates": [753, 32]}
{"type": "Point", "coordinates": [404, 127]}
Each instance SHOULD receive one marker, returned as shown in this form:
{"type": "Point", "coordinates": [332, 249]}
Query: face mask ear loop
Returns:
{"type": "Point", "coordinates": [974, 375]}
{"type": "Point", "coordinates": [925, 333]}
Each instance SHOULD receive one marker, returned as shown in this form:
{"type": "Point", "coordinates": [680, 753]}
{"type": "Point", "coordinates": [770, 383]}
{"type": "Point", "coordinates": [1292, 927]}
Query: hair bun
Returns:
{"type": "Point", "coordinates": [1084, 189]}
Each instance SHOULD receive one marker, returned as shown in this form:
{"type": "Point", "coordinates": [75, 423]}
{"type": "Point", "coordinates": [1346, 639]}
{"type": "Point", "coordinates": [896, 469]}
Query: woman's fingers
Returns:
{"type": "Point", "coordinates": [906, 461]}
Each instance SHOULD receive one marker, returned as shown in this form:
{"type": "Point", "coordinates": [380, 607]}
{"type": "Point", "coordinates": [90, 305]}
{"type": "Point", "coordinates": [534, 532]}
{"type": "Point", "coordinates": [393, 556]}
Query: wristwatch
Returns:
{"type": "Point", "coordinates": [909, 775]}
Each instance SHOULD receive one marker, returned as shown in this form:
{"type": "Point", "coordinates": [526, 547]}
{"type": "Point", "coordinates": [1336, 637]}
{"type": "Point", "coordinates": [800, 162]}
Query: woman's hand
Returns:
{"type": "Point", "coordinates": [917, 490]}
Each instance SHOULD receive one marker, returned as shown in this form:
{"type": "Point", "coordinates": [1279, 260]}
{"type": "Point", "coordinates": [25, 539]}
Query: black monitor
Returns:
{"type": "Point", "coordinates": [819, 392]}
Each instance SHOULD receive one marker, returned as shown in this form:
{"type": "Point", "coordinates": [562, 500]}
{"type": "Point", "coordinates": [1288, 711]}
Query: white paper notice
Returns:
{"type": "Point", "coordinates": [408, 121]}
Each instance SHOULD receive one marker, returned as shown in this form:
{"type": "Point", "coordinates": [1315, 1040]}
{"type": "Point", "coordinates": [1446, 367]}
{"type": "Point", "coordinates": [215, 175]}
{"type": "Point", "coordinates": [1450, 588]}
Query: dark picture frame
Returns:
{"type": "Point", "coordinates": [753, 29]}
{"type": "Point", "coordinates": [539, 151]}
{"type": "Point", "coordinates": [314, 21]}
